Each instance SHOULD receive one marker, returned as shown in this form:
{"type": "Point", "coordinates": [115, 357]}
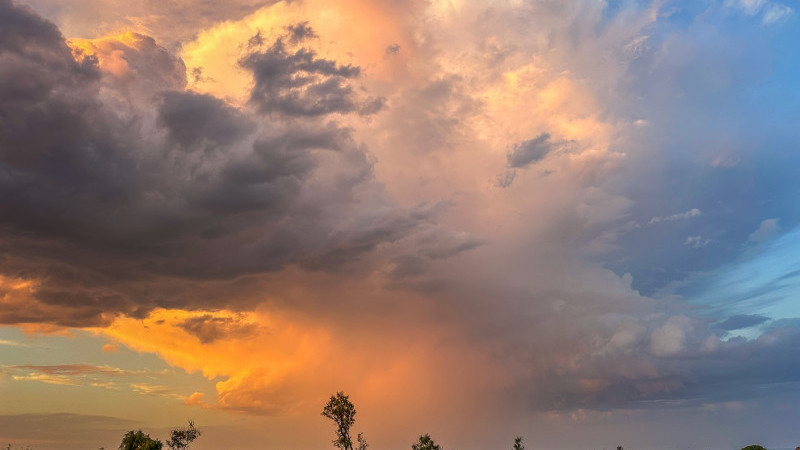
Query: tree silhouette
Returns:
{"type": "Point", "coordinates": [180, 438]}
{"type": "Point", "coordinates": [139, 441]}
{"type": "Point", "coordinates": [343, 413]}
{"type": "Point", "coordinates": [518, 443]}
{"type": "Point", "coordinates": [425, 443]}
{"type": "Point", "coordinates": [362, 443]}
{"type": "Point", "coordinates": [753, 447]}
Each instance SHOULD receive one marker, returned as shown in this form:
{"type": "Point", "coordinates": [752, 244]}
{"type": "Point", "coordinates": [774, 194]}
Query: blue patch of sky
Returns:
{"type": "Point", "coordinates": [765, 280]}
{"type": "Point", "coordinates": [724, 141]}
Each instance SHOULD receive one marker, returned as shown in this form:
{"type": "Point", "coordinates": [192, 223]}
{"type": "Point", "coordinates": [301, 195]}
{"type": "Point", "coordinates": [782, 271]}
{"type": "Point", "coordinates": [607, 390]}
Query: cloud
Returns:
{"type": "Point", "coordinates": [530, 151]}
{"type": "Point", "coordinates": [776, 12]}
{"type": "Point", "coordinates": [742, 321]}
{"type": "Point", "coordinates": [273, 229]}
{"type": "Point", "coordinates": [505, 179]}
{"type": "Point", "coordinates": [750, 7]}
{"type": "Point", "coordinates": [694, 212]}
{"type": "Point", "coordinates": [132, 64]}
{"type": "Point", "coordinates": [155, 186]}
{"type": "Point", "coordinates": [208, 328]}
{"type": "Point", "coordinates": [157, 390]}
{"type": "Point", "coordinates": [111, 348]}
{"type": "Point", "coordinates": [100, 17]}
{"type": "Point", "coordinates": [75, 369]}
{"type": "Point", "coordinates": [771, 12]}
{"type": "Point", "coordinates": [697, 241]}
{"type": "Point", "coordinates": [293, 81]}
{"type": "Point", "coordinates": [196, 399]}
{"type": "Point", "coordinates": [196, 121]}
{"type": "Point", "coordinates": [669, 339]}
{"type": "Point", "coordinates": [105, 377]}
{"type": "Point", "coordinates": [767, 229]}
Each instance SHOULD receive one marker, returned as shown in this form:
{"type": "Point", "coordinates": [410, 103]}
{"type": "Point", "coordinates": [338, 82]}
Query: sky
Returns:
{"type": "Point", "coordinates": [571, 221]}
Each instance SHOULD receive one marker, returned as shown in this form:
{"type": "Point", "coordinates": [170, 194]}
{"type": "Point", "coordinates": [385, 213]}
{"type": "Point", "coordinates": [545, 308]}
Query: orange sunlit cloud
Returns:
{"type": "Point", "coordinates": [264, 369]}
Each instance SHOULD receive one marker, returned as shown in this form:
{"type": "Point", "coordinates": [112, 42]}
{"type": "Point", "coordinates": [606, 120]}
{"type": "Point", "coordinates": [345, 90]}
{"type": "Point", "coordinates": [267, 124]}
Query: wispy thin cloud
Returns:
{"type": "Point", "coordinates": [776, 13]}
{"type": "Point", "coordinates": [72, 374]}
{"type": "Point", "coordinates": [771, 12]}
{"type": "Point", "coordinates": [49, 379]}
{"type": "Point", "coordinates": [157, 390]}
{"type": "Point", "coordinates": [694, 212]}
{"type": "Point", "coordinates": [697, 241]}
{"type": "Point", "coordinates": [79, 369]}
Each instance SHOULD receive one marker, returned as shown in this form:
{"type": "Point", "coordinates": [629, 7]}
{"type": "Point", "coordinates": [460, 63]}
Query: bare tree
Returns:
{"type": "Point", "coordinates": [362, 443]}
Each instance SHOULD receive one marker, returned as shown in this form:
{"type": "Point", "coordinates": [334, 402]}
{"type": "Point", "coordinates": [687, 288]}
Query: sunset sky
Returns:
{"type": "Point", "coordinates": [572, 221]}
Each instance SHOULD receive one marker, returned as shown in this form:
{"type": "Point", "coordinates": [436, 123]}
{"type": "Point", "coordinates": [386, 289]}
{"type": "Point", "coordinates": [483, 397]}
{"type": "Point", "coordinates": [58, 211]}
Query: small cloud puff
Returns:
{"type": "Point", "coordinates": [196, 399]}
{"type": "Point", "coordinates": [766, 231]}
{"type": "Point", "coordinates": [111, 348]}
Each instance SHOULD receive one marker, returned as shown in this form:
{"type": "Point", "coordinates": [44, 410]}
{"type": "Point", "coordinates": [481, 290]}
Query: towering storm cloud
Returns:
{"type": "Point", "coordinates": [107, 197]}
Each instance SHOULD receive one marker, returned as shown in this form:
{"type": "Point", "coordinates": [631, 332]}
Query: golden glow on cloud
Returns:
{"type": "Point", "coordinates": [534, 98]}
{"type": "Point", "coordinates": [109, 56]}
{"type": "Point", "coordinates": [11, 286]}
{"type": "Point", "coordinates": [284, 365]}
{"type": "Point", "coordinates": [19, 305]}
{"type": "Point", "coordinates": [270, 350]}
{"type": "Point", "coordinates": [212, 59]}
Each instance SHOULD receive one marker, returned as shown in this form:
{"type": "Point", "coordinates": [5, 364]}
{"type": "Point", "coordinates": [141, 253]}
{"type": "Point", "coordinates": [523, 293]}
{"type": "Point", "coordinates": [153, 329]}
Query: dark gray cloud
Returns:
{"type": "Point", "coordinates": [208, 328]}
{"type": "Point", "coordinates": [698, 374]}
{"type": "Point", "coordinates": [741, 321]}
{"type": "Point", "coordinates": [202, 121]}
{"type": "Point", "coordinates": [42, 86]}
{"type": "Point", "coordinates": [300, 32]}
{"type": "Point", "coordinates": [505, 179]}
{"type": "Point", "coordinates": [121, 211]}
{"type": "Point", "coordinates": [531, 151]}
{"type": "Point", "coordinates": [291, 80]}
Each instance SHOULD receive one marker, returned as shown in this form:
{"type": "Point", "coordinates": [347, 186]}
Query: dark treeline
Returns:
{"type": "Point", "coordinates": [179, 439]}
{"type": "Point", "coordinates": [339, 409]}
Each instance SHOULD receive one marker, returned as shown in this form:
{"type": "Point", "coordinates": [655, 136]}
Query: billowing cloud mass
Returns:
{"type": "Point", "coordinates": [177, 187]}
{"type": "Point", "coordinates": [477, 219]}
